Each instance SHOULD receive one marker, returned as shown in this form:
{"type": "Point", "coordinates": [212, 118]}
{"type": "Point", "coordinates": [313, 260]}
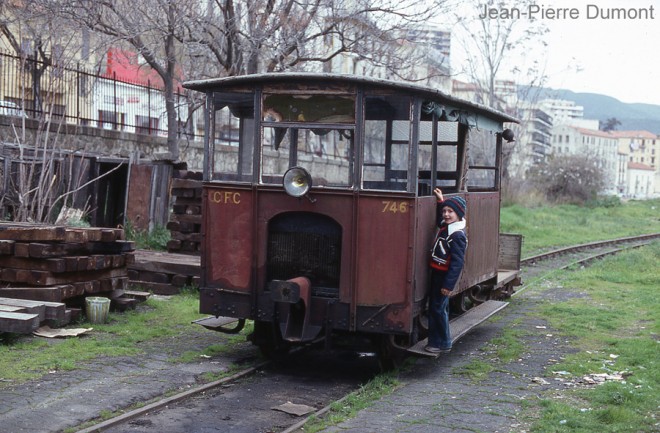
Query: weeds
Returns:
{"type": "Point", "coordinates": [348, 407]}
{"type": "Point", "coordinates": [476, 369]}
{"type": "Point", "coordinates": [156, 239]}
{"type": "Point", "coordinates": [550, 227]}
{"type": "Point", "coordinates": [124, 335]}
{"type": "Point", "coordinates": [616, 328]}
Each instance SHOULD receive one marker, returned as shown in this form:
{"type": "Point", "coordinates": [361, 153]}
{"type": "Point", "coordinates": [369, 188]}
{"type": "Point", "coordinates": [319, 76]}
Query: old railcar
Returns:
{"type": "Point", "coordinates": [318, 212]}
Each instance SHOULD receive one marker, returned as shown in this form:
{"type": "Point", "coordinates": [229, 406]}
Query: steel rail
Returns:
{"type": "Point", "coordinates": [587, 246]}
{"type": "Point", "coordinates": [577, 248]}
{"type": "Point", "coordinates": [112, 422]}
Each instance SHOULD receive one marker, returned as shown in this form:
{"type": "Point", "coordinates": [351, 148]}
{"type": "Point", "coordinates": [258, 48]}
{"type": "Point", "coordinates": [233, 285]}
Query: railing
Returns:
{"type": "Point", "coordinates": [35, 89]}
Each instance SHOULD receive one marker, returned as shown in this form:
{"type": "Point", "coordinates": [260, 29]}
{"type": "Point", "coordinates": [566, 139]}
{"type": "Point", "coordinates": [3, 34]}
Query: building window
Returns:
{"type": "Point", "coordinates": [111, 120]}
{"type": "Point", "coordinates": [146, 125]}
{"type": "Point", "coordinates": [107, 119]}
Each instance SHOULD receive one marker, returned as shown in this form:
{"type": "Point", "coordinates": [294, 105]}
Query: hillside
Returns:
{"type": "Point", "coordinates": [601, 107]}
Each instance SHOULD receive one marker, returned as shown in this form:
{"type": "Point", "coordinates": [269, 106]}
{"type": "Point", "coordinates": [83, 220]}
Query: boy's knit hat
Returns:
{"type": "Point", "coordinates": [458, 204]}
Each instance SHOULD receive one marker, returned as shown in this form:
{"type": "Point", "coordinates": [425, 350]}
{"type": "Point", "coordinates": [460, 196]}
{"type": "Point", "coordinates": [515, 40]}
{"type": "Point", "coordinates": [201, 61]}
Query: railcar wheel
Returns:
{"type": "Point", "coordinates": [509, 290]}
{"type": "Point", "coordinates": [391, 349]}
{"type": "Point", "coordinates": [460, 303]}
{"type": "Point", "coordinates": [268, 339]}
{"type": "Point", "coordinates": [479, 294]}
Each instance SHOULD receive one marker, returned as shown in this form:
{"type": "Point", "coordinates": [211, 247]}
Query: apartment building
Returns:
{"type": "Point", "coordinates": [641, 150]}
{"type": "Point", "coordinates": [562, 110]}
{"type": "Point", "coordinates": [533, 139]}
{"type": "Point", "coordinates": [600, 145]}
{"type": "Point", "coordinates": [640, 181]}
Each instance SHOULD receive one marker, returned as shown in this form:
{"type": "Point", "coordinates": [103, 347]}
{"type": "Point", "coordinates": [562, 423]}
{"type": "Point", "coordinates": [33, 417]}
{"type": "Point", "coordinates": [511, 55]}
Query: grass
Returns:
{"type": "Point", "coordinates": [615, 327]}
{"type": "Point", "coordinates": [25, 358]}
{"type": "Point", "coordinates": [156, 239]}
{"type": "Point", "coordinates": [550, 227]}
{"type": "Point", "coordinates": [500, 350]}
{"type": "Point", "coordinates": [348, 407]}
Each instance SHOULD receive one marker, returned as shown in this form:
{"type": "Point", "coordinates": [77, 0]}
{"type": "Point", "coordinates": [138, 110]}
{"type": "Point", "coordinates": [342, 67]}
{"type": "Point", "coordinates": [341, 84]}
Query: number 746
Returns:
{"type": "Point", "coordinates": [395, 206]}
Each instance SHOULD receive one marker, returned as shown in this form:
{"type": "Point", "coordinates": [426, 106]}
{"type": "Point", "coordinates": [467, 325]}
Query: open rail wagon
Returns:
{"type": "Point", "coordinates": [318, 211]}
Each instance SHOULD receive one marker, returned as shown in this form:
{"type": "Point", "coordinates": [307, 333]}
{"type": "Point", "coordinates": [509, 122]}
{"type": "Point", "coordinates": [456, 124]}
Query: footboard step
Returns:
{"type": "Point", "coordinates": [463, 324]}
{"type": "Point", "coordinates": [214, 323]}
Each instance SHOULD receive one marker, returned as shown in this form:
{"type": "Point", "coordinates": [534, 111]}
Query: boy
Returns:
{"type": "Point", "coordinates": [447, 258]}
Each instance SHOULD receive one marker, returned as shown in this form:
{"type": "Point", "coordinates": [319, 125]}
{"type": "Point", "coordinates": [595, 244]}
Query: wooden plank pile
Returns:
{"type": "Point", "coordinates": [163, 273]}
{"type": "Point", "coordinates": [51, 265]}
{"type": "Point", "coordinates": [186, 217]}
{"type": "Point", "coordinates": [22, 316]}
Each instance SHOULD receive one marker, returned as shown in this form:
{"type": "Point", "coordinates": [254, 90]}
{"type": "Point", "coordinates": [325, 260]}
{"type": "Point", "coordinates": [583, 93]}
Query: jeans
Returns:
{"type": "Point", "coordinates": [439, 335]}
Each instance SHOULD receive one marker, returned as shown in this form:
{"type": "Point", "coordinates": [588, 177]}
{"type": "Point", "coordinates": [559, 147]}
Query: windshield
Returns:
{"type": "Point", "coordinates": [315, 132]}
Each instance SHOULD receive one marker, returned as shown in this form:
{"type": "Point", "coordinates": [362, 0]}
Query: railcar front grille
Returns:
{"type": "Point", "coordinates": [308, 245]}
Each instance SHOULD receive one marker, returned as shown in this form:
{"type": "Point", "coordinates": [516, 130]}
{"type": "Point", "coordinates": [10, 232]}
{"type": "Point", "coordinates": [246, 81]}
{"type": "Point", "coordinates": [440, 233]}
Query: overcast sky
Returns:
{"type": "Point", "coordinates": [618, 58]}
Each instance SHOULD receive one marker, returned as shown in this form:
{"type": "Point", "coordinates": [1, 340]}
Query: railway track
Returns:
{"type": "Point", "coordinates": [541, 265]}
{"type": "Point", "coordinates": [303, 367]}
{"type": "Point", "coordinates": [249, 401]}
{"type": "Point", "coordinates": [635, 240]}
{"type": "Point", "coordinates": [160, 404]}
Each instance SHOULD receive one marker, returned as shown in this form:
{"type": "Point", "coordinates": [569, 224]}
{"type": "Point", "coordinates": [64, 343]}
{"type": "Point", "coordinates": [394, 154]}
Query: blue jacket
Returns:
{"type": "Point", "coordinates": [448, 253]}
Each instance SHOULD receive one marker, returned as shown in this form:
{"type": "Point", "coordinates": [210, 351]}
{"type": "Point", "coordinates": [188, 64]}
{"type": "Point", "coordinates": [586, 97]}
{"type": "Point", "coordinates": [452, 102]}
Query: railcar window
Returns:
{"type": "Point", "coordinates": [232, 139]}
{"type": "Point", "coordinates": [311, 131]}
{"type": "Point", "coordinates": [386, 143]}
{"type": "Point", "coordinates": [482, 160]}
{"type": "Point", "coordinates": [309, 108]}
{"type": "Point", "coordinates": [446, 158]}
{"type": "Point", "coordinates": [324, 153]}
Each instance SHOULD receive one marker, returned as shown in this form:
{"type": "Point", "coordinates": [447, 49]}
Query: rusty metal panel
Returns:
{"type": "Point", "coordinates": [384, 243]}
{"type": "Point", "coordinates": [425, 230]}
{"type": "Point", "coordinates": [227, 246]}
{"type": "Point", "coordinates": [483, 222]}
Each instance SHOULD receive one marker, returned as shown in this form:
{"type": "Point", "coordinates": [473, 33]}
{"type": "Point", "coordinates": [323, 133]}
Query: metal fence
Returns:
{"type": "Point", "coordinates": [33, 88]}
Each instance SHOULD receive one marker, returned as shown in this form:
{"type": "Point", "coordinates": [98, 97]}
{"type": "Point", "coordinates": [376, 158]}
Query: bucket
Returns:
{"type": "Point", "coordinates": [97, 309]}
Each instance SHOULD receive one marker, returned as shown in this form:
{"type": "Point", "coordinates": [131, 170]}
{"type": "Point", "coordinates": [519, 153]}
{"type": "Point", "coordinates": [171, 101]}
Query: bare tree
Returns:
{"type": "Point", "coordinates": [277, 35]}
{"type": "Point", "coordinates": [504, 66]}
{"type": "Point", "coordinates": [35, 176]}
{"type": "Point", "coordinates": [31, 34]}
{"type": "Point", "coordinates": [154, 28]}
{"type": "Point", "coordinates": [181, 38]}
{"type": "Point", "coordinates": [498, 48]}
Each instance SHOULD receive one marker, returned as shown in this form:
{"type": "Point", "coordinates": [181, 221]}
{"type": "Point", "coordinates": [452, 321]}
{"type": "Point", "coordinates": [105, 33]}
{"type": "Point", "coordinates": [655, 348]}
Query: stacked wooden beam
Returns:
{"type": "Point", "coordinates": [23, 316]}
{"type": "Point", "coordinates": [186, 218]}
{"type": "Point", "coordinates": [54, 264]}
{"type": "Point", "coordinates": [163, 273]}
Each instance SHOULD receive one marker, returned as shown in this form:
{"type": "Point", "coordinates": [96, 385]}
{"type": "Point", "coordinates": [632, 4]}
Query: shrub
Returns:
{"type": "Point", "coordinates": [156, 239]}
{"type": "Point", "coordinates": [569, 179]}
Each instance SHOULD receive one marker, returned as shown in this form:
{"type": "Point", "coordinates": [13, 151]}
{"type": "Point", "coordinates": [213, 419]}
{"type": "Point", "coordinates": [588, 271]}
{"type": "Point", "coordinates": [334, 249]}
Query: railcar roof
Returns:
{"type": "Point", "coordinates": [215, 84]}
